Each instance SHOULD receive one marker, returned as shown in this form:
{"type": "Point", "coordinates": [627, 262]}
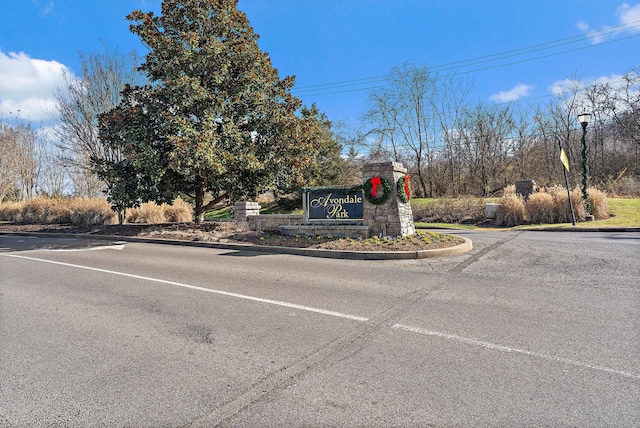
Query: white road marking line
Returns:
{"type": "Point", "coordinates": [194, 287]}
{"type": "Point", "coordinates": [119, 247]}
{"type": "Point", "coordinates": [508, 349]}
{"type": "Point", "coordinates": [405, 327]}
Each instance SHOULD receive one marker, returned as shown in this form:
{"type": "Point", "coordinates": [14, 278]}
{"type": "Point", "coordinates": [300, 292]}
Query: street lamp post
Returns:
{"type": "Point", "coordinates": [583, 118]}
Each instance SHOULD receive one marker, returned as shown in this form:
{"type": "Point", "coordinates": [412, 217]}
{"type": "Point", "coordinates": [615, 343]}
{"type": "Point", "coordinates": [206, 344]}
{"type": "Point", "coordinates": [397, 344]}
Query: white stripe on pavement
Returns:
{"type": "Point", "coordinates": [405, 327]}
{"type": "Point", "coordinates": [194, 287]}
{"type": "Point", "coordinates": [508, 349]}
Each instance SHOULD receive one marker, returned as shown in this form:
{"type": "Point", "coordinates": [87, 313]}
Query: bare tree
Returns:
{"type": "Point", "coordinates": [488, 146]}
{"type": "Point", "coordinates": [52, 175]}
{"type": "Point", "coordinates": [451, 100]}
{"type": "Point", "coordinates": [9, 154]}
{"type": "Point", "coordinates": [617, 127]}
{"type": "Point", "coordinates": [79, 103]}
{"type": "Point", "coordinates": [21, 161]}
{"type": "Point", "coordinates": [525, 162]}
{"type": "Point", "coordinates": [625, 105]}
{"type": "Point", "coordinates": [405, 120]}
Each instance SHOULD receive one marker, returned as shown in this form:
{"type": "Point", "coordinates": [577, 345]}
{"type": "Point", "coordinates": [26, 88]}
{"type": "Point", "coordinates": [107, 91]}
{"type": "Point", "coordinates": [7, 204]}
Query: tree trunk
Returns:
{"type": "Point", "coordinates": [199, 208]}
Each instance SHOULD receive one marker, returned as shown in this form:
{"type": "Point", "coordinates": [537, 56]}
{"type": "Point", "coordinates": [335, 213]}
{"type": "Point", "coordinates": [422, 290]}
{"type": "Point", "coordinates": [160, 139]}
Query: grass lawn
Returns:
{"type": "Point", "coordinates": [221, 214]}
{"type": "Point", "coordinates": [625, 212]}
{"type": "Point", "coordinates": [226, 214]}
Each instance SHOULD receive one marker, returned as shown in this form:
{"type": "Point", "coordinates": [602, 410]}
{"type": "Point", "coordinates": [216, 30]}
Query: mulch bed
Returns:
{"type": "Point", "coordinates": [227, 232]}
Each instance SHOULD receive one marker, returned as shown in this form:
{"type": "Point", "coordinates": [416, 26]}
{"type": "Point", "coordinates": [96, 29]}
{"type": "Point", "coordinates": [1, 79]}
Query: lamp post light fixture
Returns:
{"type": "Point", "coordinates": [583, 118]}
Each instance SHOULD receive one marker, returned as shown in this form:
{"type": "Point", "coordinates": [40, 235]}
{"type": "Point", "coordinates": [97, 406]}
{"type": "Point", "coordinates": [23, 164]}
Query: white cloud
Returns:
{"type": "Point", "coordinates": [595, 36]}
{"type": "Point", "coordinates": [615, 81]}
{"type": "Point", "coordinates": [628, 17]}
{"type": "Point", "coordinates": [560, 86]}
{"type": "Point", "coordinates": [27, 86]}
{"type": "Point", "coordinates": [616, 84]}
{"type": "Point", "coordinates": [514, 94]}
{"type": "Point", "coordinates": [49, 9]}
{"type": "Point", "coordinates": [46, 7]}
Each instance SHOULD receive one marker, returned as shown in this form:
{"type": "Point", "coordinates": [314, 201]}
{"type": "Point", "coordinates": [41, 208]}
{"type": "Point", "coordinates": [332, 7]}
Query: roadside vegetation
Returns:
{"type": "Point", "coordinates": [546, 208]}
{"type": "Point", "coordinates": [90, 212]}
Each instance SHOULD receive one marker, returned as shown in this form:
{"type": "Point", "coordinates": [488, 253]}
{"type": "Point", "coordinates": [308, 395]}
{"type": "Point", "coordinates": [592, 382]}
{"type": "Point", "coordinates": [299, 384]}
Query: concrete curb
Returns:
{"type": "Point", "coordinates": [467, 245]}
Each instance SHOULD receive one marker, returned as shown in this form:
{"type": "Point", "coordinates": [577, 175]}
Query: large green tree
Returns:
{"type": "Point", "coordinates": [214, 119]}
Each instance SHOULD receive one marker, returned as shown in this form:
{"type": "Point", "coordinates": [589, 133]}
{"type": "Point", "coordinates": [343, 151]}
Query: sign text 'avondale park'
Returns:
{"type": "Point", "coordinates": [323, 204]}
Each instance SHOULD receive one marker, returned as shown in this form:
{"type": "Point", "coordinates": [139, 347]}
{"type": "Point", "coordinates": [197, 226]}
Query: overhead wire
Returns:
{"type": "Point", "coordinates": [334, 88]}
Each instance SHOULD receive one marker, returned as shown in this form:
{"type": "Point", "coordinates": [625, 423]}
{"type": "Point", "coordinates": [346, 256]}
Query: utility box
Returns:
{"type": "Point", "coordinates": [490, 211]}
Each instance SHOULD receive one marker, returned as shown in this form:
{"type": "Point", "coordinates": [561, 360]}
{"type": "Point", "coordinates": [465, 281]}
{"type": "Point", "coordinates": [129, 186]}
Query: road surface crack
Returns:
{"type": "Point", "coordinates": [337, 350]}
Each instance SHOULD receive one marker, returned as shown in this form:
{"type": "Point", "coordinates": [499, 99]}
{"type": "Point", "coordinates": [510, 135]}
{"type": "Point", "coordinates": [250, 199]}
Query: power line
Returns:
{"type": "Point", "coordinates": [328, 88]}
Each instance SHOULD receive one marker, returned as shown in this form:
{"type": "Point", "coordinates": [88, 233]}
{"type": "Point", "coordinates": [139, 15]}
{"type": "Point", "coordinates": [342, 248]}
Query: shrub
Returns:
{"type": "Point", "coordinates": [88, 212]}
{"type": "Point", "coordinates": [76, 211]}
{"type": "Point", "coordinates": [10, 211]}
{"type": "Point", "coordinates": [623, 187]}
{"type": "Point", "coordinates": [511, 211]}
{"type": "Point", "coordinates": [509, 190]}
{"type": "Point", "coordinates": [561, 209]}
{"type": "Point", "coordinates": [35, 211]}
{"type": "Point", "coordinates": [178, 212]}
{"type": "Point", "coordinates": [448, 210]}
{"type": "Point", "coordinates": [599, 205]}
{"type": "Point", "coordinates": [540, 208]}
{"type": "Point", "coordinates": [148, 212]}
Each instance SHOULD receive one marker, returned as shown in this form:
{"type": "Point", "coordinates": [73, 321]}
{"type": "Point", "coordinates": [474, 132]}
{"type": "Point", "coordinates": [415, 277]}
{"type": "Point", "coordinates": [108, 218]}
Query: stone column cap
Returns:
{"type": "Point", "coordinates": [247, 204]}
{"type": "Point", "coordinates": [384, 166]}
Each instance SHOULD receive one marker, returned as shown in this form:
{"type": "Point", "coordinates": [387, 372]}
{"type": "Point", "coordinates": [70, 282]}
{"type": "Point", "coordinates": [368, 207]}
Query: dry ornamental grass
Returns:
{"type": "Point", "coordinates": [549, 207]}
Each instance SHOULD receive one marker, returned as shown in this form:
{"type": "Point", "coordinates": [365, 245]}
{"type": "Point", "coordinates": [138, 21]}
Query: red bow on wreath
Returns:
{"type": "Point", "coordinates": [375, 182]}
{"type": "Point", "coordinates": [406, 186]}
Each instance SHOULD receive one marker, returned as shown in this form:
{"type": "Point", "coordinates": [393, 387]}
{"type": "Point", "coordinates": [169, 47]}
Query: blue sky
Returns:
{"type": "Point", "coordinates": [340, 49]}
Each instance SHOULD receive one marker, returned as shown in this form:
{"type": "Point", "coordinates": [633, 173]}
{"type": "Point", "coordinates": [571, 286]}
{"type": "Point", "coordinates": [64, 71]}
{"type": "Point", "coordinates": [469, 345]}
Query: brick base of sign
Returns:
{"type": "Point", "coordinates": [272, 222]}
{"type": "Point", "coordinates": [336, 231]}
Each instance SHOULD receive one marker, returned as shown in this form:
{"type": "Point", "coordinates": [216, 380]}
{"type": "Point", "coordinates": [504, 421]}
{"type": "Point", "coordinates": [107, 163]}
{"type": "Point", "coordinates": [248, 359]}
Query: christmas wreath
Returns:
{"type": "Point", "coordinates": [404, 191]}
{"type": "Point", "coordinates": [370, 188]}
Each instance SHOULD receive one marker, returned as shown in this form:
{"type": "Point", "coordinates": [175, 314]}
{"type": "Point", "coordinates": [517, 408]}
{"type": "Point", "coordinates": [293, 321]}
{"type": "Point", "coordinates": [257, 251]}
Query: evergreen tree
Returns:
{"type": "Point", "coordinates": [215, 117]}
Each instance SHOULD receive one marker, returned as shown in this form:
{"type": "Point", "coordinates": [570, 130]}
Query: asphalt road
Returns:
{"type": "Point", "coordinates": [528, 329]}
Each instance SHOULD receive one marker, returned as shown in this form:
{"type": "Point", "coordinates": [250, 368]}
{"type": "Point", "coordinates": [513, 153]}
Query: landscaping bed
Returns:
{"type": "Point", "coordinates": [228, 232]}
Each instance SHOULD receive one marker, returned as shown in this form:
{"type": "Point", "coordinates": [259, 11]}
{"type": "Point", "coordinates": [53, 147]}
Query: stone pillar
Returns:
{"type": "Point", "coordinates": [394, 217]}
{"type": "Point", "coordinates": [241, 210]}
